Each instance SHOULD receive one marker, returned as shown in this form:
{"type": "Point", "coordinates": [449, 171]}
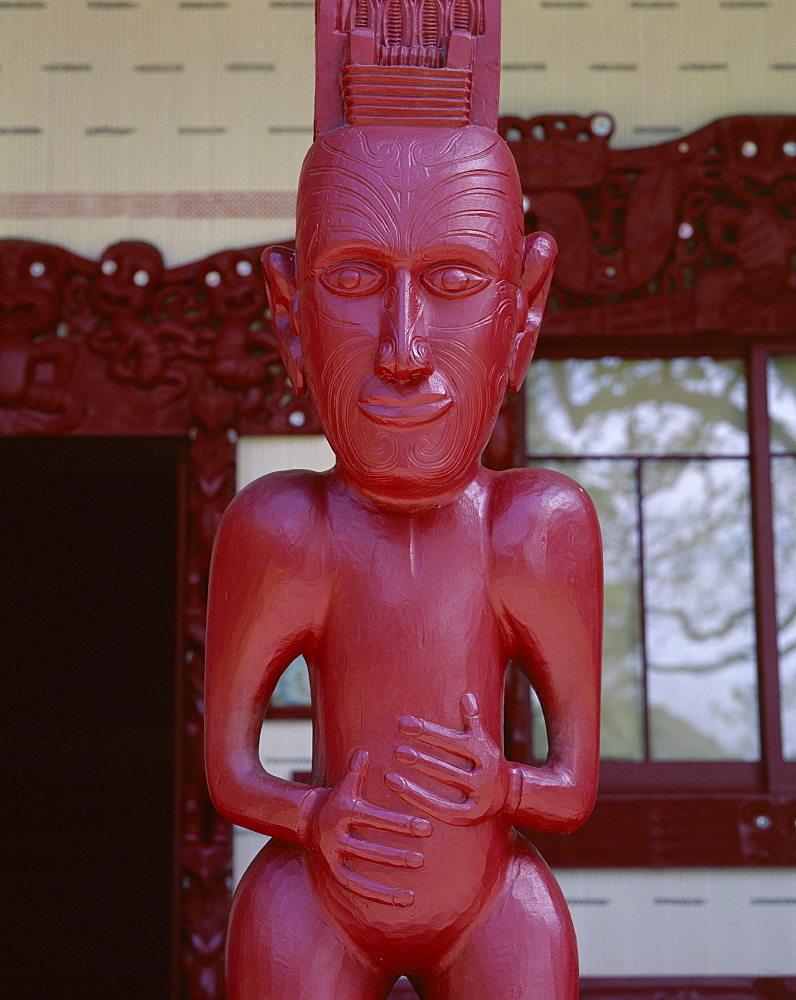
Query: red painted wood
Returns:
{"type": "Point", "coordinates": [80, 354]}
{"type": "Point", "coordinates": [690, 237]}
{"type": "Point", "coordinates": [763, 551]}
{"type": "Point", "coordinates": [710, 829]}
{"type": "Point", "coordinates": [409, 575]}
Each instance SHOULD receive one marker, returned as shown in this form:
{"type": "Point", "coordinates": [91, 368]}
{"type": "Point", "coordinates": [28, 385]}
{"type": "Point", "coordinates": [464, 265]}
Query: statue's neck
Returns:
{"type": "Point", "coordinates": [475, 481]}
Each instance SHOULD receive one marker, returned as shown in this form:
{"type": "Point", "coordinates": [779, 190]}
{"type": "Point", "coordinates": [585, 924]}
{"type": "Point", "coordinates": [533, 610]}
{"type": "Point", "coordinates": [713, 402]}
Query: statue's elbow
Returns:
{"type": "Point", "coordinates": [224, 788]}
{"type": "Point", "coordinates": [581, 807]}
{"type": "Point", "coordinates": [577, 795]}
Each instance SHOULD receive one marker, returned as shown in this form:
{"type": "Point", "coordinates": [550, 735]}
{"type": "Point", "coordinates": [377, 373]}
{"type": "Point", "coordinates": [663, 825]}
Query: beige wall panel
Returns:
{"type": "Point", "coordinates": [179, 240]}
{"type": "Point", "coordinates": [257, 456]}
{"type": "Point", "coordinates": [683, 922]}
{"type": "Point", "coordinates": [157, 97]}
{"type": "Point", "coordinates": [639, 61]}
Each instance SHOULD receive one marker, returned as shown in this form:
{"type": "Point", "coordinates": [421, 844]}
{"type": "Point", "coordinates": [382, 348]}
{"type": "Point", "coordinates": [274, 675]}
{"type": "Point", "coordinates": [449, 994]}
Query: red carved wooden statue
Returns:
{"type": "Point", "coordinates": [408, 575]}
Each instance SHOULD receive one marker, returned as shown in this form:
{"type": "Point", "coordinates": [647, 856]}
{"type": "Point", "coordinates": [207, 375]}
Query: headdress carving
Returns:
{"type": "Point", "coordinates": [407, 63]}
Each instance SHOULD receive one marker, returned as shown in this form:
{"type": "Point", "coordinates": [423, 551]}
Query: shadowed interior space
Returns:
{"type": "Point", "coordinates": [88, 540]}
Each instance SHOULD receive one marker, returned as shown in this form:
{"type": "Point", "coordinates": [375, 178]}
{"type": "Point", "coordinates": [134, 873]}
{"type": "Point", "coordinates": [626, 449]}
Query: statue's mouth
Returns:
{"type": "Point", "coordinates": [416, 409]}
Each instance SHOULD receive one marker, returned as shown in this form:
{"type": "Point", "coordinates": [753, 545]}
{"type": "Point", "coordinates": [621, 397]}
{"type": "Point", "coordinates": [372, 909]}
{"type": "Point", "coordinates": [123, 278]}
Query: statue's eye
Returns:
{"type": "Point", "coordinates": [353, 279]}
{"type": "Point", "coordinates": [454, 280]}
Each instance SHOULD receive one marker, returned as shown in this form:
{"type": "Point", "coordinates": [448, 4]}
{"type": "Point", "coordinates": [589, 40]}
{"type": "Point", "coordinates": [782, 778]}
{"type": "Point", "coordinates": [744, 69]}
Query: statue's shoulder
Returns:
{"type": "Point", "coordinates": [522, 493]}
{"type": "Point", "coordinates": [536, 511]}
{"type": "Point", "coordinates": [281, 511]}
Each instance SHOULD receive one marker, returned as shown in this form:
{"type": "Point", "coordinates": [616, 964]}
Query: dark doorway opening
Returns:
{"type": "Point", "coordinates": [88, 541]}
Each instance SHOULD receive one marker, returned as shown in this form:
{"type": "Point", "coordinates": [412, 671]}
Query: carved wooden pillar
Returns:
{"type": "Point", "coordinates": [204, 839]}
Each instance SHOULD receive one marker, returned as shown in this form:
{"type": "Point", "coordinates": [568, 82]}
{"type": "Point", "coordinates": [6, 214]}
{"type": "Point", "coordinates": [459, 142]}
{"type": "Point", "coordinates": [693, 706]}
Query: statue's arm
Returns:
{"type": "Point", "coordinates": [550, 588]}
{"type": "Point", "coordinates": [547, 594]}
{"type": "Point", "coordinates": [262, 605]}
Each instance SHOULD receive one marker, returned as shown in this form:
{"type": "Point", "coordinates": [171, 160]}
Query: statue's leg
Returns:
{"type": "Point", "coordinates": [525, 949]}
{"type": "Point", "coordinates": [281, 945]}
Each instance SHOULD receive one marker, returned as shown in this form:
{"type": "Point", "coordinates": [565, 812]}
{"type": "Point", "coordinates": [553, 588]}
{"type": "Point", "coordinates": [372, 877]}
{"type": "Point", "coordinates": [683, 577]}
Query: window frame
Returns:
{"type": "Point", "coordinates": [698, 813]}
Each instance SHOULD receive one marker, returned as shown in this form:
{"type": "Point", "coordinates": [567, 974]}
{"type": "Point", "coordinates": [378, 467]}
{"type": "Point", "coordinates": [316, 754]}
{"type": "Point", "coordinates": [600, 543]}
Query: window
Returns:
{"type": "Point", "coordinates": [662, 448]}
{"type": "Point", "coordinates": [691, 464]}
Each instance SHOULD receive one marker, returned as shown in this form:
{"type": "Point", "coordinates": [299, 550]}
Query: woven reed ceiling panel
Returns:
{"type": "Point", "coordinates": [184, 122]}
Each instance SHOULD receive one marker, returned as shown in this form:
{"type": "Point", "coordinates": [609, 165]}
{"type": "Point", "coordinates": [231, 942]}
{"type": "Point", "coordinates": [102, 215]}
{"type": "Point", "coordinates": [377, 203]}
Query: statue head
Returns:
{"type": "Point", "coordinates": [413, 299]}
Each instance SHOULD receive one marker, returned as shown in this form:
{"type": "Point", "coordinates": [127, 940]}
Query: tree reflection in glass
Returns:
{"type": "Point", "coordinates": [654, 407]}
{"type": "Point", "coordinates": [612, 487]}
{"type": "Point", "coordinates": [700, 629]}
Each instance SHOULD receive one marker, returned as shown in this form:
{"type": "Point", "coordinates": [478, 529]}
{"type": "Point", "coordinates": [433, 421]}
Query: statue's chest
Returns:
{"type": "Point", "coordinates": [427, 595]}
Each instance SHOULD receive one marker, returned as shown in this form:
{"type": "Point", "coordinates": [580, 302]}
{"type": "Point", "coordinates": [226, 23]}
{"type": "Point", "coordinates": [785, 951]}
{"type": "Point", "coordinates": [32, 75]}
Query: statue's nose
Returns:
{"type": "Point", "coordinates": [404, 353]}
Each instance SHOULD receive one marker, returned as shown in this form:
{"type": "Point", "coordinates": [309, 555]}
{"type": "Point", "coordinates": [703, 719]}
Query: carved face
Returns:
{"type": "Point", "coordinates": [233, 294]}
{"type": "Point", "coordinates": [31, 284]}
{"type": "Point", "coordinates": [409, 271]}
{"type": "Point", "coordinates": [128, 274]}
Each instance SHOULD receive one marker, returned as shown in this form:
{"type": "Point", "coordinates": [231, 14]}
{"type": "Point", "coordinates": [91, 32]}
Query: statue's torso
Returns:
{"type": "Point", "coordinates": [409, 626]}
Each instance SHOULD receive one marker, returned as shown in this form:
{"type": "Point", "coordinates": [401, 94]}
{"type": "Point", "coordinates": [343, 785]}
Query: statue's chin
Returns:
{"type": "Point", "coordinates": [416, 468]}
{"type": "Point", "coordinates": [416, 444]}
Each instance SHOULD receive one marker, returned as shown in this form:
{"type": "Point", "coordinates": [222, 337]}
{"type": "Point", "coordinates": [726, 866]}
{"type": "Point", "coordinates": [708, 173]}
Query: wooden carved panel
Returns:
{"type": "Point", "coordinates": [696, 235]}
{"type": "Point", "coordinates": [125, 346]}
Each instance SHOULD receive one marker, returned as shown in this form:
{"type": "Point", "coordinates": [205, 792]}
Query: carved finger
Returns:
{"type": "Point", "coordinates": [441, 737]}
{"type": "Point", "coordinates": [433, 767]}
{"type": "Point", "coordinates": [454, 813]}
{"type": "Point", "coordinates": [388, 820]}
{"type": "Point", "coordinates": [469, 709]}
{"type": "Point", "coordinates": [368, 889]}
{"type": "Point", "coordinates": [356, 847]}
{"type": "Point", "coordinates": [357, 769]}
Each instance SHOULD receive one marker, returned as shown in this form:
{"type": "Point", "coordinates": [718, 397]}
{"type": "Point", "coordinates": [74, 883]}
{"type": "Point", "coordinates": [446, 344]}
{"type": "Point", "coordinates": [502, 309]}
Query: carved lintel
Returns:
{"type": "Point", "coordinates": [693, 235]}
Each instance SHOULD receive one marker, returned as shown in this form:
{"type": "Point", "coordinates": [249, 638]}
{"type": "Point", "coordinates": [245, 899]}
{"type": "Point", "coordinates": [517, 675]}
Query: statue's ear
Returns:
{"type": "Point", "coordinates": [279, 271]}
{"type": "Point", "coordinates": [539, 258]}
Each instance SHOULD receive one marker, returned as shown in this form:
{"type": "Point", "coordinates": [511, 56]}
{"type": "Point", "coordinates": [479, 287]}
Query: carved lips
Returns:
{"type": "Point", "coordinates": [417, 409]}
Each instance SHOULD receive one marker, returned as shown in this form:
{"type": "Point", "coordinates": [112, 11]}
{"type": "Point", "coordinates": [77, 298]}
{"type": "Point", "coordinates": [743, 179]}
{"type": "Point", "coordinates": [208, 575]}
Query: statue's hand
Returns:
{"type": "Point", "coordinates": [339, 812]}
{"type": "Point", "coordinates": [483, 779]}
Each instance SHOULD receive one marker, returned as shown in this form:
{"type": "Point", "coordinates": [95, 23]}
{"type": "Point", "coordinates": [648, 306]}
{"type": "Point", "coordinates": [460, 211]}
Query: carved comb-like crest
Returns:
{"type": "Point", "coordinates": [407, 62]}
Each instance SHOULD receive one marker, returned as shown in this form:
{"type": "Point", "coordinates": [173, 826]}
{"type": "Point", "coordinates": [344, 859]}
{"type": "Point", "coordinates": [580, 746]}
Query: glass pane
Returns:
{"type": "Point", "coordinates": [698, 596]}
{"type": "Point", "coordinates": [540, 745]}
{"type": "Point", "coordinates": [693, 406]}
{"type": "Point", "coordinates": [783, 482]}
{"type": "Point", "coordinates": [293, 687]}
{"type": "Point", "coordinates": [782, 402]}
{"type": "Point", "coordinates": [612, 486]}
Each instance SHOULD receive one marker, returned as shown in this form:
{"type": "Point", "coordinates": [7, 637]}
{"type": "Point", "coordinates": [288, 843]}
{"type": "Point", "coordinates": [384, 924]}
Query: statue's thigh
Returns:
{"type": "Point", "coordinates": [282, 946]}
{"type": "Point", "coordinates": [524, 950]}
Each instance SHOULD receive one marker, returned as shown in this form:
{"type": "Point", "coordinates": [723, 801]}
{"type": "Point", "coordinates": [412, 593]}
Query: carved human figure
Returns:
{"type": "Point", "coordinates": [36, 363]}
{"type": "Point", "coordinates": [407, 576]}
{"type": "Point", "coordinates": [140, 350]}
{"type": "Point", "coordinates": [237, 307]}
